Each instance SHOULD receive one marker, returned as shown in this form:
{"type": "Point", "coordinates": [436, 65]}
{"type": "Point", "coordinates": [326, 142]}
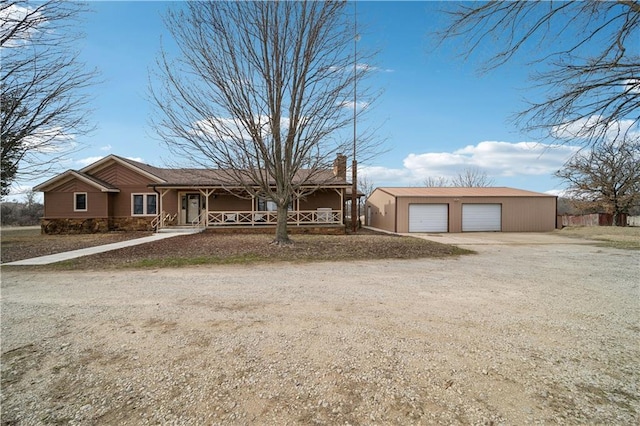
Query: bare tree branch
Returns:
{"type": "Point", "coordinates": [43, 106]}
{"type": "Point", "coordinates": [436, 182]}
{"type": "Point", "coordinates": [470, 178]}
{"type": "Point", "coordinates": [588, 51]}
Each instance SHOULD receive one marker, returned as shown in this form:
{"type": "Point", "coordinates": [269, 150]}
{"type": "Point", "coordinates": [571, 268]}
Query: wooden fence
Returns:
{"type": "Point", "coordinates": [595, 219]}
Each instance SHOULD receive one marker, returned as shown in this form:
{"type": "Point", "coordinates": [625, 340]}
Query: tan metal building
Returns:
{"type": "Point", "coordinates": [498, 209]}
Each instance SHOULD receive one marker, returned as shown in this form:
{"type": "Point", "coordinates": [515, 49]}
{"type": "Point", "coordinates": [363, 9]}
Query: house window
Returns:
{"type": "Point", "coordinates": [80, 201]}
{"type": "Point", "coordinates": [144, 204]}
{"type": "Point", "coordinates": [266, 205]}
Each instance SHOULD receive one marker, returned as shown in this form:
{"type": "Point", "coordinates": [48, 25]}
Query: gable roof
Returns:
{"type": "Point", "coordinates": [153, 173]}
{"type": "Point", "coordinates": [71, 174]}
{"type": "Point", "coordinates": [500, 191]}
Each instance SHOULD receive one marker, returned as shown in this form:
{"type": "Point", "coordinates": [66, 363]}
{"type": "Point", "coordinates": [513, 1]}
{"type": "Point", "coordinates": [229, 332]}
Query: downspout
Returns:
{"type": "Point", "coordinates": [395, 219]}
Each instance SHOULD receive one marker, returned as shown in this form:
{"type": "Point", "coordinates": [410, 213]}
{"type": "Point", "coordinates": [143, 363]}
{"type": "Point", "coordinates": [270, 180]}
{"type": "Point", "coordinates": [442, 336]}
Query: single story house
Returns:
{"type": "Point", "coordinates": [460, 210]}
{"type": "Point", "coordinates": [117, 193]}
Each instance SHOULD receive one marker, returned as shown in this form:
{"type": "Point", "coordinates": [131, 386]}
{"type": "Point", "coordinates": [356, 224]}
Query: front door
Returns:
{"type": "Point", "coordinates": [193, 207]}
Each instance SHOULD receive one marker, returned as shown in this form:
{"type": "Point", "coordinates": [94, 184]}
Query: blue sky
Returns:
{"type": "Point", "coordinates": [438, 115]}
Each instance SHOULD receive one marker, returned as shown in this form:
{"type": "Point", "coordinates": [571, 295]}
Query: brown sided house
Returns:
{"type": "Point", "coordinates": [460, 210]}
{"type": "Point", "coordinates": [116, 193]}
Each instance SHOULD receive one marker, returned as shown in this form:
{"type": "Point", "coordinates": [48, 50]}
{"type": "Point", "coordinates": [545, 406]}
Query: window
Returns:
{"type": "Point", "coordinates": [266, 205]}
{"type": "Point", "coordinates": [151, 204]}
{"type": "Point", "coordinates": [144, 204]}
{"type": "Point", "coordinates": [80, 201]}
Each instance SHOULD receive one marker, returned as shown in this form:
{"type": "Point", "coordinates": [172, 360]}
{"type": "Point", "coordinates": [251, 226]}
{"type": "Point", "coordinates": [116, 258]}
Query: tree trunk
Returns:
{"type": "Point", "coordinates": [282, 236]}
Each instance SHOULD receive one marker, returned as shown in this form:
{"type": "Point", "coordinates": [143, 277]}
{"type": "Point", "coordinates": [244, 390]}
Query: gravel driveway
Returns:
{"type": "Point", "coordinates": [530, 330]}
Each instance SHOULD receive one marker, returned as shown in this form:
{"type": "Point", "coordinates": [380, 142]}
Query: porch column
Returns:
{"type": "Point", "coordinates": [206, 193]}
{"type": "Point", "coordinates": [253, 210]}
{"type": "Point", "coordinates": [163, 192]}
{"type": "Point", "coordinates": [341, 192]}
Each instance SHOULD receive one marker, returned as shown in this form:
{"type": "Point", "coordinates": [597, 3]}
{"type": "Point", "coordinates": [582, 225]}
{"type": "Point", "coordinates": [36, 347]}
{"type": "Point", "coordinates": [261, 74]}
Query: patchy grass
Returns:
{"type": "Point", "coordinates": [218, 249]}
{"type": "Point", "coordinates": [622, 237]}
{"type": "Point", "coordinates": [19, 243]}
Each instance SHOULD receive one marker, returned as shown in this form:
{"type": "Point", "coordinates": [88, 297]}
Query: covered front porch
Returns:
{"type": "Point", "coordinates": [218, 208]}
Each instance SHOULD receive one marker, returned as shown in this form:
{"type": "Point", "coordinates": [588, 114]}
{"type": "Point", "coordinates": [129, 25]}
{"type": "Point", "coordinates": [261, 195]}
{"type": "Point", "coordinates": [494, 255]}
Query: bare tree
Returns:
{"type": "Point", "coordinates": [366, 185]}
{"type": "Point", "coordinates": [435, 182]}
{"type": "Point", "coordinates": [261, 90]}
{"type": "Point", "coordinates": [43, 106]}
{"type": "Point", "coordinates": [605, 178]}
{"type": "Point", "coordinates": [471, 177]}
{"type": "Point", "coordinates": [589, 53]}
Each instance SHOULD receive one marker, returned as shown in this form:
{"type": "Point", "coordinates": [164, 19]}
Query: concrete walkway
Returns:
{"type": "Point", "coordinates": [59, 257]}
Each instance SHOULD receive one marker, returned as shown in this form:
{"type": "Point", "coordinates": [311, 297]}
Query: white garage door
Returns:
{"type": "Point", "coordinates": [481, 217]}
{"type": "Point", "coordinates": [428, 217]}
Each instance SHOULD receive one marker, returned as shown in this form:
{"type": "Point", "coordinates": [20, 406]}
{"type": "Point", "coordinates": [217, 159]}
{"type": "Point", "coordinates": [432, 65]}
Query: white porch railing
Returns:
{"type": "Point", "coordinates": [301, 217]}
{"type": "Point", "coordinates": [162, 220]}
{"type": "Point", "coordinates": [199, 220]}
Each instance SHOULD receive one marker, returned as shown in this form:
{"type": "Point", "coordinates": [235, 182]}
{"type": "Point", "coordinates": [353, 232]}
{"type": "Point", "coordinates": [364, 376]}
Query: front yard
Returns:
{"type": "Point", "coordinates": [211, 248]}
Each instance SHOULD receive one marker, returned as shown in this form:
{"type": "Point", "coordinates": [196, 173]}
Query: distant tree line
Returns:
{"type": "Point", "coordinates": [15, 213]}
{"type": "Point", "coordinates": [471, 177]}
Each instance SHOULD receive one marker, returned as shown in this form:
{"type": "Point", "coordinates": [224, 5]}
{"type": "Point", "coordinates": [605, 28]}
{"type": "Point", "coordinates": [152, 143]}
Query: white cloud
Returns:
{"type": "Point", "coordinates": [383, 174]}
{"type": "Point", "coordinates": [106, 148]}
{"type": "Point", "coordinates": [632, 86]}
{"type": "Point", "coordinates": [361, 67]}
{"type": "Point", "coordinates": [350, 104]}
{"type": "Point", "coordinates": [493, 157]}
{"type": "Point", "coordinates": [232, 129]}
{"type": "Point", "coordinates": [557, 192]}
{"type": "Point", "coordinates": [18, 192]}
{"type": "Point", "coordinates": [50, 140]}
{"type": "Point", "coordinates": [10, 17]}
{"type": "Point", "coordinates": [83, 162]}
{"type": "Point", "coordinates": [498, 159]}
{"type": "Point", "coordinates": [88, 160]}
{"type": "Point", "coordinates": [595, 125]}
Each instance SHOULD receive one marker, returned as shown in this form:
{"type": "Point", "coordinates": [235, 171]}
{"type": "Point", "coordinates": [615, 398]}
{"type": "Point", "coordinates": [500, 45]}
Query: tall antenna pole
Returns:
{"type": "Point", "coordinates": [354, 163]}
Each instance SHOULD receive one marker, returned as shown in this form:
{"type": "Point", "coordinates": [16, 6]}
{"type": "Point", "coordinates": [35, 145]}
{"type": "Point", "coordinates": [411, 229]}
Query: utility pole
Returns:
{"type": "Point", "coordinates": [354, 163]}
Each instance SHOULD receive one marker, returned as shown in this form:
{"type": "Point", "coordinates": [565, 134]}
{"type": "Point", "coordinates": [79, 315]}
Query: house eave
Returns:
{"type": "Point", "coordinates": [68, 175]}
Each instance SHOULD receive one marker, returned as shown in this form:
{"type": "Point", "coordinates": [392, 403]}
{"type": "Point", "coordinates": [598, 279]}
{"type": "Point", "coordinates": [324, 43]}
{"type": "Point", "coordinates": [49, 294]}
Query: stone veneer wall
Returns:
{"type": "Point", "coordinates": [94, 225]}
{"type": "Point", "coordinates": [74, 226]}
{"type": "Point", "coordinates": [128, 223]}
{"type": "Point", "coordinates": [293, 230]}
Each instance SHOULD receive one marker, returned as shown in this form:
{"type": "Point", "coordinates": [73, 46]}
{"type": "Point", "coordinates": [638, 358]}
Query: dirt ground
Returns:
{"type": "Point", "coordinates": [540, 329]}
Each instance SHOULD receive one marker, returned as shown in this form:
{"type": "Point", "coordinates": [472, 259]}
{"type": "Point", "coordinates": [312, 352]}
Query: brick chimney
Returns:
{"type": "Point", "coordinates": [340, 167]}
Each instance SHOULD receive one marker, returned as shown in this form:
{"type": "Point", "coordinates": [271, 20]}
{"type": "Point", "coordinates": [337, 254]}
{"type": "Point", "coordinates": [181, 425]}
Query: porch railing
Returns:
{"type": "Point", "coordinates": [199, 221]}
{"type": "Point", "coordinates": [161, 220]}
{"type": "Point", "coordinates": [300, 217]}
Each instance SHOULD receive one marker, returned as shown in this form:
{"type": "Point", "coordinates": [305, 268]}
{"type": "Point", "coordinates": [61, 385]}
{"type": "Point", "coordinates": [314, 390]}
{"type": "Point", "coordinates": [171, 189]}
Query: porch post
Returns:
{"type": "Point", "coordinates": [163, 192]}
{"type": "Point", "coordinates": [206, 193]}
{"type": "Point", "coordinates": [253, 210]}
{"type": "Point", "coordinates": [341, 204]}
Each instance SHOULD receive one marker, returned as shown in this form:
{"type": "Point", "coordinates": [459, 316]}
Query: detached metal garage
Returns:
{"type": "Point", "coordinates": [492, 209]}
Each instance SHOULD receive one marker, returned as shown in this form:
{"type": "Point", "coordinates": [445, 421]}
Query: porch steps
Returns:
{"type": "Point", "coordinates": [181, 230]}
